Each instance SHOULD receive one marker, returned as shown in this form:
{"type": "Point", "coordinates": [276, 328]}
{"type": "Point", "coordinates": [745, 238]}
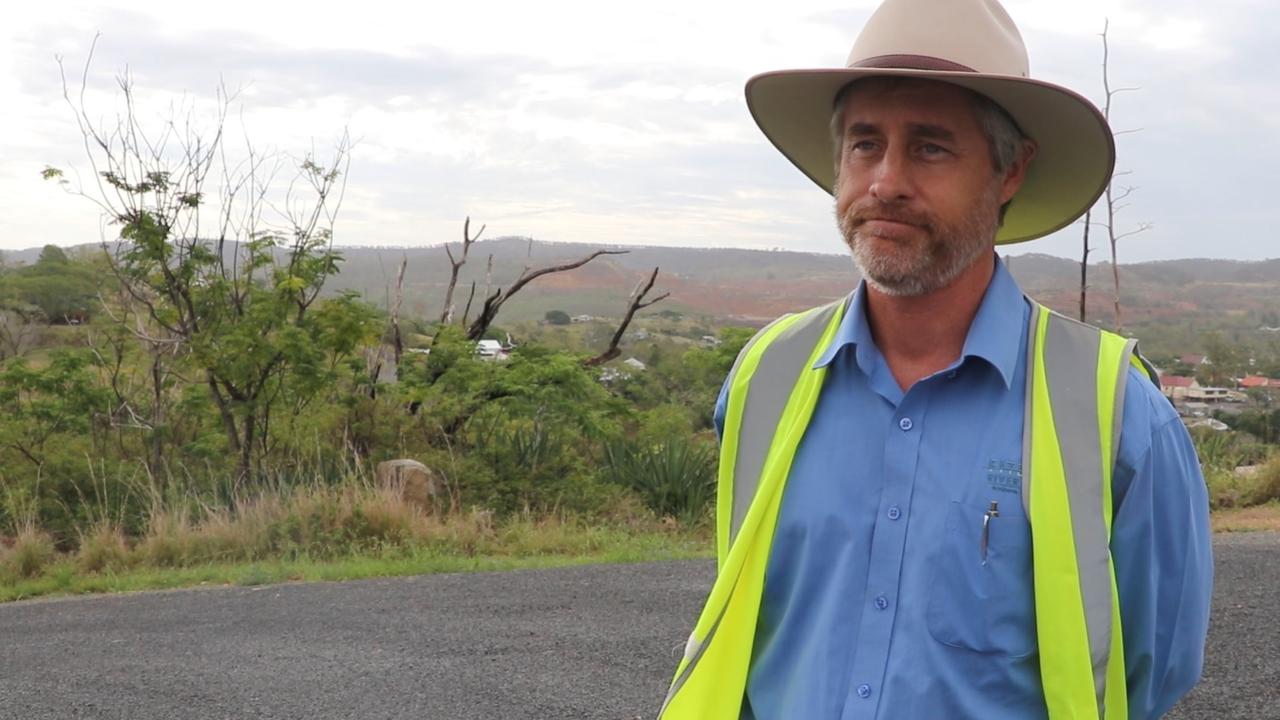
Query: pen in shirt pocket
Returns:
{"type": "Point", "coordinates": [993, 511]}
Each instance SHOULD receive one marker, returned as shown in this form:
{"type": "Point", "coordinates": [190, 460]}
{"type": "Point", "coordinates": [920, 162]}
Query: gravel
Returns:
{"type": "Point", "coordinates": [584, 642]}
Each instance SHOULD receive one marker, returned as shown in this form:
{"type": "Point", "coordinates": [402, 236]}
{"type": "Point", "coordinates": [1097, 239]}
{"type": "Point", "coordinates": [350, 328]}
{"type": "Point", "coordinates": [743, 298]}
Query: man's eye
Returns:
{"type": "Point", "coordinates": [862, 146]}
{"type": "Point", "coordinates": [931, 149]}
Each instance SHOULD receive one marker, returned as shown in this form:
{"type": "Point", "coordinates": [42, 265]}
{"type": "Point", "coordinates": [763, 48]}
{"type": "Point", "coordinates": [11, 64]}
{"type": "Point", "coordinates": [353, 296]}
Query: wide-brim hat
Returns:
{"type": "Point", "coordinates": [970, 43]}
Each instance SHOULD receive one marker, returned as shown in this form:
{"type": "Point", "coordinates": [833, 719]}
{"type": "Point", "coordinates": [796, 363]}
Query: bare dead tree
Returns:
{"type": "Point", "coordinates": [20, 329]}
{"type": "Point", "coordinates": [397, 341]}
{"type": "Point", "coordinates": [1084, 266]}
{"type": "Point", "coordinates": [494, 302]}
{"type": "Point", "coordinates": [635, 302]}
{"type": "Point", "coordinates": [1113, 201]}
{"type": "Point", "coordinates": [470, 297]}
{"type": "Point", "coordinates": [375, 357]}
{"type": "Point", "coordinates": [446, 315]}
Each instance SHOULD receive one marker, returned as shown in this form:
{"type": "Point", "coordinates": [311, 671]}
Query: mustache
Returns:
{"type": "Point", "coordinates": [860, 213]}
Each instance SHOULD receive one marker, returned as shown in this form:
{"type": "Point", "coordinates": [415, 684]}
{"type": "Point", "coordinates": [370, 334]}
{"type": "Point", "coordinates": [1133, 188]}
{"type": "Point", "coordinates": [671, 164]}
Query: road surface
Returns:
{"type": "Point", "coordinates": [595, 642]}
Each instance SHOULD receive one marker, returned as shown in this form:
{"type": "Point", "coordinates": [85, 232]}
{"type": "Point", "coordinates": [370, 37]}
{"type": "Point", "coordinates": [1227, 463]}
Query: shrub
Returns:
{"type": "Point", "coordinates": [1266, 482]}
{"type": "Point", "coordinates": [31, 553]}
{"type": "Point", "coordinates": [675, 478]}
{"type": "Point", "coordinates": [102, 548]}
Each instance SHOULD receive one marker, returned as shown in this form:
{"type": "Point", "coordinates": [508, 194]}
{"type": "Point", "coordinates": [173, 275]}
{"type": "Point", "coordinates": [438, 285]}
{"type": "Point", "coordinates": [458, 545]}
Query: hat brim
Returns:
{"type": "Point", "coordinates": [1073, 163]}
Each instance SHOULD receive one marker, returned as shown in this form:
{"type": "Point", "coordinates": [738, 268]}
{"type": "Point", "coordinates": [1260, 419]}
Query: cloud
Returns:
{"type": "Point", "coordinates": [634, 131]}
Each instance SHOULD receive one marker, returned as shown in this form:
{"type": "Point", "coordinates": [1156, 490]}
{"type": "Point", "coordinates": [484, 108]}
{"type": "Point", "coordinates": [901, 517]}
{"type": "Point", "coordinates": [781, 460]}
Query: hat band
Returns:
{"type": "Point", "coordinates": [911, 62]}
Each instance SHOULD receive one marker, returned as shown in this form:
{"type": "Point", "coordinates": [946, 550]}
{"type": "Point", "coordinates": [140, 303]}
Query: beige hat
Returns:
{"type": "Point", "coordinates": [970, 43]}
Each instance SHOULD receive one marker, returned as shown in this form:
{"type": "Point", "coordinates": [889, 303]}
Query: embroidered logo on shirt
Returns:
{"type": "Point", "coordinates": [1004, 476]}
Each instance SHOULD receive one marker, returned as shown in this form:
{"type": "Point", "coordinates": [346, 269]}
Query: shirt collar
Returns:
{"type": "Point", "coordinates": [995, 335]}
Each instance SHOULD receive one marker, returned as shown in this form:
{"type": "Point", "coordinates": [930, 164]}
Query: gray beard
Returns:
{"type": "Point", "coordinates": [948, 251]}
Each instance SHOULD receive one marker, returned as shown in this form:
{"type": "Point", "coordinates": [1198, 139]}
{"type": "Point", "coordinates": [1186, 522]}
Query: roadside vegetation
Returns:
{"type": "Point", "coordinates": [188, 403]}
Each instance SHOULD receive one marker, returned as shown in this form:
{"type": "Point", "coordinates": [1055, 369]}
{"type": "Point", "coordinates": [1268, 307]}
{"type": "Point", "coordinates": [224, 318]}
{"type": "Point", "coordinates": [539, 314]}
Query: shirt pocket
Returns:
{"type": "Point", "coordinates": [986, 608]}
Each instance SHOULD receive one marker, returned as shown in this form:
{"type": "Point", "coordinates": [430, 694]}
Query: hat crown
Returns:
{"type": "Point", "coordinates": [973, 35]}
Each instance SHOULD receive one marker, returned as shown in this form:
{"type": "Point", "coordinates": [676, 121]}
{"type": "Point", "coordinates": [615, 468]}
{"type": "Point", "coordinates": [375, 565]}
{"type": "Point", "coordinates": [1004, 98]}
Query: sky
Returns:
{"type": "Point", "coordinates": [609, 123]}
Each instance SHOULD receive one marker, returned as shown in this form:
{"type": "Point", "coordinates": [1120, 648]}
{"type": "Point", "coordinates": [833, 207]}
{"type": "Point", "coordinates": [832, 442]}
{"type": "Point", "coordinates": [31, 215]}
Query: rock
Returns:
{"type": "Point", "coordinates": [416, 483]}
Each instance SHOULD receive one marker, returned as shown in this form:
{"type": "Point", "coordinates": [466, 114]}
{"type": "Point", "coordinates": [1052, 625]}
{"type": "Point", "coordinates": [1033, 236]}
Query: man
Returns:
{"type": "Point", "coordinates": [938, 499]}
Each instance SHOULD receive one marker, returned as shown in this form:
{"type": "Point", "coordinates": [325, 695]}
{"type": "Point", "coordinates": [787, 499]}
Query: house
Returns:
{"type": "Point", "coordinates": [710, 340]}
{"type": "Point", "coordinates": [1209, 394]}
{"type": "Point", "coordinates": [1194, 359]}
{"type": "Point", "coordinates": [1175, 387]}
{"type": "Point", "coordinates": [581, 319]}
{"type": "Point", "coordinates": [1257, 381]}
{"type": "Point", "coordinates": [491, 350]}
{"type": "Point", "coordinates": [612, 374]}
{"type": "Point", "coordinates": [1210, 423]}
{"type": "Point", "coordinates": [634, 363]}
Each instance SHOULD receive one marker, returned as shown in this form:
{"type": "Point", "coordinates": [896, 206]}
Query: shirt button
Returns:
{"type": "Point", "coordinates": [864, 691]}
{"type": "Point", "coordinates": [894, 512]}
{"type": "Point", "coordinates": [882, 602]}
{"type": "Point", "coordinates": [905, 424]}
{"type": "Point", "coordinates": [951, 375]}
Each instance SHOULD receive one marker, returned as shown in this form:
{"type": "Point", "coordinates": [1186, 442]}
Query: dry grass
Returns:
{"type": "Point", "coordinates": [103, 549]}
{"type": "Point", "coordinates": [1259, 518]}
{"type": "Point", "coordinates": [321, 523]}
{"type": "Point", "coordinates": [28, 555]}
{"type": "Point", "coordinates": [1229, 489]}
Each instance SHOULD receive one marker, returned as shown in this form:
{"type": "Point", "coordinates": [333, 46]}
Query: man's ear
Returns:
{"type": "Point", "coordinates": [1017, 172]}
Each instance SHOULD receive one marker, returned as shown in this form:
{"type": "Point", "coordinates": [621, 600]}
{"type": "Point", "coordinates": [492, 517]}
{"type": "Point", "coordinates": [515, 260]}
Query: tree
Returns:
{"type": "Point", "coordinates": [634, 303]}
{"type": "Point", "coordinates": [557, 317]}
{"type": "Point", "coordinates": [1224, 361]}
{"type": "Point", "coordinates": [1114, 199]}
{"type": "Point", "coordinates": [221, 264]}
{"type": "Point", "coordinates": [494, 302]}
{"type": "Point", "coordinates": [446, 315]}
{"type": "Point", "coordinates": [43, 403]}
{"type": "Point", "coordinates": [52, 255]}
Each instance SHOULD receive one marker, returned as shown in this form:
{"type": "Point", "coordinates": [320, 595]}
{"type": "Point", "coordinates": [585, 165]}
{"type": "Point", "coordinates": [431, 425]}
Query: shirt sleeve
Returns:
{"type": "Point", "coordinates": [721, 403]}
{"type": "Point", "coordinates": [1162, 552]}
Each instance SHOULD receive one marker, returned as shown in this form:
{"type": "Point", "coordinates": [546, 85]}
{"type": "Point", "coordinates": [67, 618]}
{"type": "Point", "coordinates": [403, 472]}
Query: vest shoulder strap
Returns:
{"type": "Point", "coordinates": [1075, 390]}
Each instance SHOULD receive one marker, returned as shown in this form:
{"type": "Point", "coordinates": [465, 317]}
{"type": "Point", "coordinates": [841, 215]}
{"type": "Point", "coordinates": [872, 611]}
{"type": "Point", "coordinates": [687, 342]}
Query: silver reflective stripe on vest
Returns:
{"type": "Point", "coordinates": [1071, 366]}
{"type": "Point", "coordinates": [767, 394]}
{"type": "Point", "coordinates": [1026, 417]}
{"type": "Point", "coordinates": [694, 653]}
{"type": "Point", "coordinates": [1130, 349]}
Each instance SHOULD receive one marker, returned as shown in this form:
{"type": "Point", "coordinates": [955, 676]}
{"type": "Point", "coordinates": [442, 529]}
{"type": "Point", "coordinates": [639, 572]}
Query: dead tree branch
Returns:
{"type": "Point", "coordinates": [635, 303]}
{"type": "Point", "coordinates": [494, 302]}
{"type": "Point", "coordinates": [446, 315]}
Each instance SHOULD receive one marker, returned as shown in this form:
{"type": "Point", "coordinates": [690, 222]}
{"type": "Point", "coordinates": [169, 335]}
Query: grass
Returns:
{"type": "Point", "coordinates": [320, 533]}
{"type": "Point", "coordinates": [1229, 489]}
{"type": "Point", "coordinates": [64, 576]}
{"type": "Point", "coordinates": [326, 533]}
{"type": "Point", "coordinates": [1259, 518]}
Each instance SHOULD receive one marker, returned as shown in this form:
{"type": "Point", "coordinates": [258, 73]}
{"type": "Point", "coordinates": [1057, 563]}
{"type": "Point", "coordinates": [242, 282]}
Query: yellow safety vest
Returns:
{"type": "Point", "coordinates": [1075, 394]}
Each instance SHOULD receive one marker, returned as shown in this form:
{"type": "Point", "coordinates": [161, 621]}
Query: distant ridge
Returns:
{"type": "Point", "coordinates": [753, 286]}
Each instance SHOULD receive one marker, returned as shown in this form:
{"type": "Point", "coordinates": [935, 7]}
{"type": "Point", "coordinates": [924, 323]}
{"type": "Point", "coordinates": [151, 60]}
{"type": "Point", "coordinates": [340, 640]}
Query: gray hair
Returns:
{"type": "Point", "coordinates": [1004, 137]}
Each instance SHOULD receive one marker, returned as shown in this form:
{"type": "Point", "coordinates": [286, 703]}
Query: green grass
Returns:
{"type": "Point", "coordinates": [65, 576]}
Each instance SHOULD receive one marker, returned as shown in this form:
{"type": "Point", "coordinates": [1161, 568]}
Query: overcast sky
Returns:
{"type": "Point", "coordinates": [612, 122]}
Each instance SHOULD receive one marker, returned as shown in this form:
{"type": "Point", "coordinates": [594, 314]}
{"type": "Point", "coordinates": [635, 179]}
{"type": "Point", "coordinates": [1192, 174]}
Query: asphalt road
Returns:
{"type": "Point", "coordinates": [588, 642]}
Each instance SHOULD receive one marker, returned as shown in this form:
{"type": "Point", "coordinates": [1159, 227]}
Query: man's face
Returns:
{"type": "Point", "coordinates": [917, 198]}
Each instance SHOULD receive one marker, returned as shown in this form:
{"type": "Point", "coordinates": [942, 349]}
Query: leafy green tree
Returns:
{"type": "Point", "coordinates": [44, 403]}
{"type": "Point", "coordinates": [1226, 361]}
{"type": "Point", "coordinates": [557, 317]}
{"type": "Point", "coordinates": [62, 289]}
{"type": "Point", "coordinates": [52, 255]}
{"type": "Point", "coordinates": [218, 282]}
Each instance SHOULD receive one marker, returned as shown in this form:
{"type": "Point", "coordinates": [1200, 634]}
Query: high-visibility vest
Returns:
{"type": "Point", "coordinates": [1075, 395]}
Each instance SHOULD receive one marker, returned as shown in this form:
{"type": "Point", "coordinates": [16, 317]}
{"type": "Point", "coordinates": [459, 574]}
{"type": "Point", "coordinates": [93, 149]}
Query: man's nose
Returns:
{"type": "Point", "coordinates": [891, 179]}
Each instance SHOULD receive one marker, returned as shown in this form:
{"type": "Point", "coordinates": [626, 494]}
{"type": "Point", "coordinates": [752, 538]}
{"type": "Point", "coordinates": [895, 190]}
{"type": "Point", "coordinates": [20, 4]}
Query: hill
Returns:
{"type": "Point", "coordinates": [1169, 304]}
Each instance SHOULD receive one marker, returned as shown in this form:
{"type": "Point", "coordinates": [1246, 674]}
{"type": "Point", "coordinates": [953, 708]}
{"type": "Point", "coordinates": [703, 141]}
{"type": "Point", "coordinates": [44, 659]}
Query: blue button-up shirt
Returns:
{"type": "Point", "coordinates": [877, 602]}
